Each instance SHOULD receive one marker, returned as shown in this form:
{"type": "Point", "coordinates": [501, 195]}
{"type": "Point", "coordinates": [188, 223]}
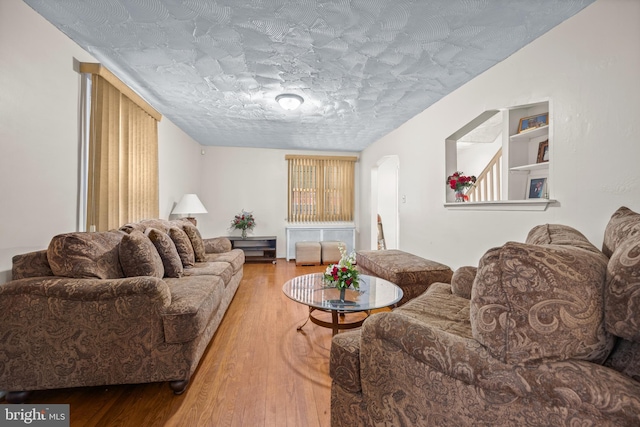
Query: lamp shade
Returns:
{"type": "Point", "coordinates": [189, 204]}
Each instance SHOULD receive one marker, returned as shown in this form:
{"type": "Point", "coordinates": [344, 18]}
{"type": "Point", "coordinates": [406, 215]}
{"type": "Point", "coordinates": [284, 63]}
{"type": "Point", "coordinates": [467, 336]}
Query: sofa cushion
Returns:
{"type": "Point", "coordinates": [193, 302]}
{"type": "Point", "coordinates": [139, 257]}
{"type": "Point", "coordinates": [168, 253]}
{"type": "Point", "coordinates": [622, 294]}
{"type": "Point", "coordinates": [540, 302]}
{"type": "Point", "coordinates": [462, 281]}
{"type": "Point", "coordinates": [86, 255]}
{"type": "Point", "coordinates": [183, 245]}
{"type": "Point", "coordinates": [235, 257]}
{"type": "Point", "coordinates": [221, 269]}
{"type": "Point", "coordinates": [624, 223]}
{"type": "Point", "coordinates": [441, 309]}
{"type": "Point", "coordinates": [196, 241]}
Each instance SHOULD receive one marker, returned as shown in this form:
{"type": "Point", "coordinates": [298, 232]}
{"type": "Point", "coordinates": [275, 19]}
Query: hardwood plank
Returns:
{"type": "Point", "coordinates": [258, 370]}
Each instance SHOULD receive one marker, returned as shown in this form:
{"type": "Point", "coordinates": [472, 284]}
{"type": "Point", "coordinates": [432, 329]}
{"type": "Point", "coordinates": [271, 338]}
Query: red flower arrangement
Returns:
{"type": "Point", "coordinates": [243, 221]}
{"type": "Point", "coordinates": [458, 183]}
{"type": "Point", "coordinates": [345, 273]}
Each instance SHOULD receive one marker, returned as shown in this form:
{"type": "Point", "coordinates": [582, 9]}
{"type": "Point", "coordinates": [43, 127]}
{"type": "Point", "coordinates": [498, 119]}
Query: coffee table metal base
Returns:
{"type": "Point", "coordinates": [335, 325]}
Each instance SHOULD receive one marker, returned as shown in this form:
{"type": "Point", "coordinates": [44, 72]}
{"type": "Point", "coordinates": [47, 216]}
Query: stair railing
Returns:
{"type": "Point", "coordinates": [487, 187]}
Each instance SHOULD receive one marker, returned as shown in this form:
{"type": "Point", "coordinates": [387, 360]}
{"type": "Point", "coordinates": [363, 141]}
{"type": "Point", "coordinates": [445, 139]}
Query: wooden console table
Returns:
{"type": "Point", "coordinates": [256, 248]}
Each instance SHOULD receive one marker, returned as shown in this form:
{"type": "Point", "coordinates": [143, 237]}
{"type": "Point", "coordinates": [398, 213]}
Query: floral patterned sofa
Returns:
{"type": "Point", "coordinates": [541, 333]}
{"type": "Point", "coordinates": [134, 305]}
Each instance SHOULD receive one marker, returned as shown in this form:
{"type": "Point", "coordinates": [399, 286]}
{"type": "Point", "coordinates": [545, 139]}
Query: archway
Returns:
{"type": "Point", "coordinates": [384, 201]}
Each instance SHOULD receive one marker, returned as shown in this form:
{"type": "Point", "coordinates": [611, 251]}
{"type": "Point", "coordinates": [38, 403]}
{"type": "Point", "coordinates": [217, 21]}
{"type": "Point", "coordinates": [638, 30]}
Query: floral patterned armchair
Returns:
{"type": "Point", "coordinates": [545, 332]}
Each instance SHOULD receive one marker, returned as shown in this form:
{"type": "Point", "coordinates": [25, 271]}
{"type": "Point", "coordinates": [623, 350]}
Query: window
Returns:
{"type": "Point", "coordinates": [321, 189]}
{"type": "Point", "coordinates": [122, 158]}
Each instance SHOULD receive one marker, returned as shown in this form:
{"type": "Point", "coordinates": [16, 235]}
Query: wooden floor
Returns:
{"type": "Point", "coordinates": [257, 371]}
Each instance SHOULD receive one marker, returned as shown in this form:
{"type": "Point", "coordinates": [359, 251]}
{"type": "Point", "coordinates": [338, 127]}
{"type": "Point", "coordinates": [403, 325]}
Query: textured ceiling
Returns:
{"type": "Point", "coordinates": [363, 67]}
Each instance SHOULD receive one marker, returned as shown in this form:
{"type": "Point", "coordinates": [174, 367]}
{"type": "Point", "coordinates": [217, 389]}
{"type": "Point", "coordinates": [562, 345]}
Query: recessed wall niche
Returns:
{"type": "Point", "coordinates": [509, 150]}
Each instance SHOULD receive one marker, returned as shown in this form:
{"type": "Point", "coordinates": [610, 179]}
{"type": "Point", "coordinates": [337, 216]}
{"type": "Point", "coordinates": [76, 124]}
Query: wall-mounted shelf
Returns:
{"type": "Point", "coordinates": [528, 135]}
{"type": "Point", "coordinates": [531, 167]}
{"type": "Point", "coordinates": [503, 205]}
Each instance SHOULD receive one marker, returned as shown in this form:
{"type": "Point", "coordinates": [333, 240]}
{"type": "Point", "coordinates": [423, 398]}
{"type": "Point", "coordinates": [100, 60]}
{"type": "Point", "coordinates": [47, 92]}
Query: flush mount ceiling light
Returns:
{"type": "Point", "coordinates": [289, 101]}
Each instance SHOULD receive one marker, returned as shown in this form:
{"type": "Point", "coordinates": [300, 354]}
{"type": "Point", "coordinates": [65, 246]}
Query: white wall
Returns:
{"type": "Point", "coordinates": [588, 67]}
{"type": "Point", "coordinates": [251, 179]}
{"type": "Point", "coordinates": [39, 92]}
{"type": "Point", "coordinates": [180, 166]}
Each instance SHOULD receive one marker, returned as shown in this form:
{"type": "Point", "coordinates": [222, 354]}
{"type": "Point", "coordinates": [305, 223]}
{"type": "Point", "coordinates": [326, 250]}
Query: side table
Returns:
{"type": "Point", "coordinates": [256, 248]}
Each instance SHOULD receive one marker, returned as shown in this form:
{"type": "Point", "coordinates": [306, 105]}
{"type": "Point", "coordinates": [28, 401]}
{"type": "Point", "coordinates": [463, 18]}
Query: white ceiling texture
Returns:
{"type": "Point", "coordinates": [363, 67]}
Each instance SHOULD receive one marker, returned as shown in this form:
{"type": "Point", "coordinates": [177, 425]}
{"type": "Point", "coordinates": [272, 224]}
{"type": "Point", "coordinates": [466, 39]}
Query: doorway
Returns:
{"type": "Point", "coordinates": [384, 203]}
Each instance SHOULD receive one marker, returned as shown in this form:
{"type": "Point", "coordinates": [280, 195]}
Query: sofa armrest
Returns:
{"type": "Point", "coordinates": [31, 264]}
{"type": "Point", "coordinates": [59, 332]}
{"type": "Point", "coordinates": [385, 335]}
{"type": "Point", "coordinates": [217, 245]}
{"type": "Point", "coordinates": [395, 346]}
{"type": "Point", "coordinates": [66, 288]}
{"type": "Point", "coordinates": [579, 383]}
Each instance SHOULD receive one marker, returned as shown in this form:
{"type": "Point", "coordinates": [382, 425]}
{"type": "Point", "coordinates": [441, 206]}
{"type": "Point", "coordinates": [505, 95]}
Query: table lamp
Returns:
{"type": "Point", "coordinates": [189, 204]}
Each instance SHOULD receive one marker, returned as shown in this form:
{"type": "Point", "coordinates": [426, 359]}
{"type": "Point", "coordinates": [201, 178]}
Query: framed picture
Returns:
{"type": "Point", "coordinates": [532, 122]}
{"type": "Point", "coordinates": [536, 187]}
{"type": "Point", "coordinates": [543, 152]}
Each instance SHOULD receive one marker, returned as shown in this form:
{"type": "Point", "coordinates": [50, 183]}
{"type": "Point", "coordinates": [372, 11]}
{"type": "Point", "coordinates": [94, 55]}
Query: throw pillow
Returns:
{"type": "Point", "coordinates": [624, 223]}
{"type": "Point", "coordinates": [157, 223]}
{"type": "Point", "coordinates": [540, 302]}
{"type": "Point", "coordinates": [196, 241]}
{"type": "Point", "coordinates": [622, 296]}
{"type": "Point", "coordinates": [462, 281]}
{"type": "Point", "coordinates": [167, 251]}
{"type": "Point", "coordinates": [139, 257]}
{"type": "Point", "coordinates": [86, 255]}
{"type": "Point", "coordinates": [183, 245]}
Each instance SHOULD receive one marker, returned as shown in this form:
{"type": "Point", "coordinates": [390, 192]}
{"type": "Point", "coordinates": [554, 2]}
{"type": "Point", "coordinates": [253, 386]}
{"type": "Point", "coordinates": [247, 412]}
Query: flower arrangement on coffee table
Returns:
{"type": "Point", "coordinates": [459, 183]}
{"type": "Point", "coordinates": [344, 274]}
{"type": "Point", "coordinates": [243, 221]}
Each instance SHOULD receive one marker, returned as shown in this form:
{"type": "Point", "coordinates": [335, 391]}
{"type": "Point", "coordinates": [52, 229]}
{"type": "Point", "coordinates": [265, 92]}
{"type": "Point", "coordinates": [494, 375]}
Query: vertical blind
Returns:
{"type": "Point", "coordinates": [123, 157]}
{"type": "Point", "coordinates": [321, 188]}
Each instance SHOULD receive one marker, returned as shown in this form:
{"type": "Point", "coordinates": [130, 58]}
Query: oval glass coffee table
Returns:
{"type": "Point", "coordinates": [313, 291]}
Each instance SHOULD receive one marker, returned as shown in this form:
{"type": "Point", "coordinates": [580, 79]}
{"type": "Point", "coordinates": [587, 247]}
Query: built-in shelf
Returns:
{"type": "Point", "coordinates": [531, 167]}
{"type": "Point", "coordinates": [503, 205]}
{"type": "Point", "coordinates": [528, 135]}
{"type": "Point", "coordinates": [519, 171]}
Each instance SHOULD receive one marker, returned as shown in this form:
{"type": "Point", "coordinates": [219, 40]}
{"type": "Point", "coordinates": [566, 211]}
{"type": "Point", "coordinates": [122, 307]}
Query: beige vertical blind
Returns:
{"type": "Point", "coordinates": [123, 154]}
{"type": "Point", "coordinates": [321, 188]}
